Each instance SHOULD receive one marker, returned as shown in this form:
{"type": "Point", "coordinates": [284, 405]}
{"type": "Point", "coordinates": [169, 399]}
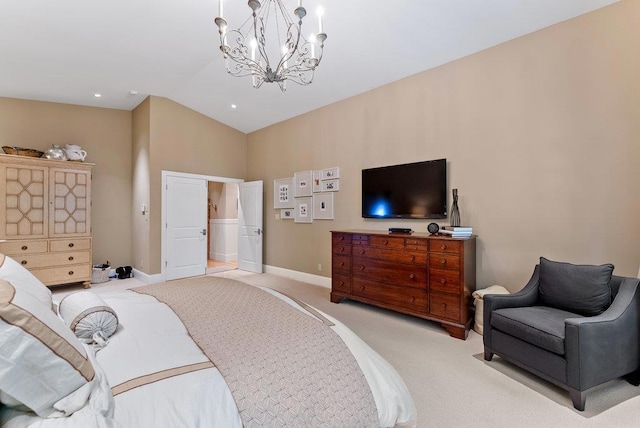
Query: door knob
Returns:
{"type": "Point", "coordinates": [204, 232]}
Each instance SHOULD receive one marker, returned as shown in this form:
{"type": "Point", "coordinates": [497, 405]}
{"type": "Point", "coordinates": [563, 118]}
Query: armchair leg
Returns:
{"type": "Point", "coordinates": [488, 355]}
{"type": "Point", "coordinates": [578, 398]}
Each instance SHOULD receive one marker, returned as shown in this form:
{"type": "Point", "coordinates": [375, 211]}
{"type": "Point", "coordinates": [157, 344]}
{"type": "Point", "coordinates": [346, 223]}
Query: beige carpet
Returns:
{"type": "Point", "coordinates": [451, 383]}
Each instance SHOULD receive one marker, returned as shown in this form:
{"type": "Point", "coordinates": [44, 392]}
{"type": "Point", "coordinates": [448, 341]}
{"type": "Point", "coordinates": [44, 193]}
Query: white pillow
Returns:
{"type": "Point", "coordinates": [13, 272]}
{"type": "Point", "coordinates": [41, 361]}
{"type": "Point", "coordinates": [89, 317]}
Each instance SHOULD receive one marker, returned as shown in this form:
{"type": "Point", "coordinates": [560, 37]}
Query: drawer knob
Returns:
{"type": "Point", "coordinates": [342, 249]}
{"type": "Point", "coordinates": [412, 257]}
{"type": "Point", "coordinates": [412, 299]}
{"type": "Point", "coordinates": [341, 238]}
{"type": "Point", "coordinates": [341, 264]}
{"type": "Point", "coordinates": [443, 247]}
{"type": "Point", "coordinates": [70, 272]}
{"type": "Point", "coordinates": [362, 267]}
{"type": "Point", "coordinates": [385, 242]}
{"type": "Point", "coordinates": [412, 276]}
{"type": "Point", "coordinates": [24, 248]}
{"type": "Point", "coordinates": [361, 251]}
{"type": "Point", "coordinates": [362, 288]}
{"type": "Point", "coordinates": [70, 258]}
{"type": "Point", "coordinates": [70, 244]}
{"type": "Point", "coordinates": [444, 306]}
{"type": "Point", "coordinates": [341, 283]}
{"type": "Point", "coordinates": [24, 262]}
{"type": "Point", "coordinates": [443, 281]}
{"type": "Point", "coordinates": [443, 261]}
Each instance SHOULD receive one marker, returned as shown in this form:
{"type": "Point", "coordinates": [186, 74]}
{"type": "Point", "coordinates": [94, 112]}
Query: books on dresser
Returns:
{"type": "Point", "coordinates": [457, 231]}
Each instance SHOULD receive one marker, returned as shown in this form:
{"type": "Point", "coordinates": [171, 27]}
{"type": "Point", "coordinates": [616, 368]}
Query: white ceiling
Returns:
{"type": "Point", "coordinates": [67, 50]}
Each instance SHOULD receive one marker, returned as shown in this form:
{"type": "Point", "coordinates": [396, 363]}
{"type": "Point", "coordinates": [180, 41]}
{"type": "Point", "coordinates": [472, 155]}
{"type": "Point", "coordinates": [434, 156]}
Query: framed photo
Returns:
{"type": "Point", "coordinates": [283, 193]}
{"type": "Point", "coordinates": [323, 206]}
{"type": "Point", "coordinates": [303, 183]}
{"type": "Point", "coordinates": [330, 185]}
{"type": "Point", "coordinates": [287, 213]}
{"type": "Point", "coordinates": [330, 173]}
{"type": "Point", "coordinates": [303, 209]}
{"type": "Point", "coordinates": [316, 181]}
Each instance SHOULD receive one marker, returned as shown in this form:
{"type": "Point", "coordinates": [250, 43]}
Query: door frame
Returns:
{"type": "Point", "coordinates": [164, 242]}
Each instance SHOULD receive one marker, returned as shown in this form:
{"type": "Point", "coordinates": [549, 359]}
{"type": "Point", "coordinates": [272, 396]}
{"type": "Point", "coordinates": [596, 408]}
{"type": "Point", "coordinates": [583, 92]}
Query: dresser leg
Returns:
{"type": "Point", "coordinates": [86, 284]}
{"type": "Point", "coordinates": [457, 332]}
{"type": "Point", "coordinates": [335, 299]}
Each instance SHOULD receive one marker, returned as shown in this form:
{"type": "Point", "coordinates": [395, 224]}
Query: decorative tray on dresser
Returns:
{"type": "Point", "coordinates": [427, 276]}
{"type": "Point", "coordinates": [45, 217]}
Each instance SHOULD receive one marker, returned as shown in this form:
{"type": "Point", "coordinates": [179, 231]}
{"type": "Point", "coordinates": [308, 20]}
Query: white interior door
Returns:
{"type": "Point", "coordinates": [186, 224]}
{"type": "Point", "coordinates": [250, 226]}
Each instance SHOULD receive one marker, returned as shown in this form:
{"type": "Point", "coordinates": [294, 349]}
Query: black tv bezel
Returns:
{"type": "Point", "coordinates": [443, 189]}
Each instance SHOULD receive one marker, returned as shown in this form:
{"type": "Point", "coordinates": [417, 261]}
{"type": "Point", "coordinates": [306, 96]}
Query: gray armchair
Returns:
{"type": "Point", "coordinates": [576, 326]}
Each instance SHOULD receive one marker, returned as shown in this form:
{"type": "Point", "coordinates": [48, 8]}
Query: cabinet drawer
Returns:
{"type": "Point", "coordinates": [360, 239]}
{"type": "Point", "coordinates": [411, 276]}
{"type": "Point", "coordinates": [444, 280]}
{"type": "Point", "coordinates": [18, 247]}
{"type": "Point", "coordinates": [63, 274]}
{"type": "Point", "coordinates": [444, 261]}
{"type": "Point", "coordinates": [413, 244]}
{"type": "Point", "coordinates": [387, 242]}
{"type": "Point", "coordinates": [402, 297]}
{"type": "Point", "coordinates": [31, 261]}
{"type": "Point", "coordinates": [69, 244]}
{"type": "Point", "coordinates": [391, 255]}
{"type": "Point", "coordinates": [341, 238]}
{"type": "Point", "coordinates": [341, 249]}
{"type": "Point", "coordinates": [341, 283]}
{"type": "Point", "coordinates": [446, 306]}
{"type": "Point", "coordinates": [445, 246]}
{"type": "Point", "coordinates": [341, 264]}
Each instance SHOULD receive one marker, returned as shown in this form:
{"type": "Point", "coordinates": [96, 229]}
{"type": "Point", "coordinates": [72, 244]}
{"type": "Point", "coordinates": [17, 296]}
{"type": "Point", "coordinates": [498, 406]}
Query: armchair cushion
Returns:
{"type": "Point", "coordinates": [541, 326]}
{"type": "Point", "coordinates": [581, 289]}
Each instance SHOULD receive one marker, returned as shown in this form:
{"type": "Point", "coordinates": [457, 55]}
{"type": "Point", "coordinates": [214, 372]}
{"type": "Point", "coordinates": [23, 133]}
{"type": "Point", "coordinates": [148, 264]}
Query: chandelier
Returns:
{"type": "Point", "coordinates": [288, 55]}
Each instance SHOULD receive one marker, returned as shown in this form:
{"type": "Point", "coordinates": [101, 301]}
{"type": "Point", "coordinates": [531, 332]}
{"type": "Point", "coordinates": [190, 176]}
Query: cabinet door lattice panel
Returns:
{"type": "Point", "coordinates": [70, 192]}
{"type": "Point", "coordinates": [25, 202]}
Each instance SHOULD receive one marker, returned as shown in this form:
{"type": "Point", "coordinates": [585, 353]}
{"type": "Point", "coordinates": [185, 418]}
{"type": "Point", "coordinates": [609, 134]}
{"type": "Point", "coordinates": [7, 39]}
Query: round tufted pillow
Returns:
{"type": "Point", "coordinates": [89, 317]}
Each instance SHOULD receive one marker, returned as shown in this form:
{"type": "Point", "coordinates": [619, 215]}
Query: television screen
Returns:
{"type": "Point", "coordinates": [413, 190]}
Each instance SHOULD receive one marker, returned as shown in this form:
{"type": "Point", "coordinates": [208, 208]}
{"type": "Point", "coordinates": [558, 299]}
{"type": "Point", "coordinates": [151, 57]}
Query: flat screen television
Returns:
{"type": "Point", "coordinates": [413, 190]}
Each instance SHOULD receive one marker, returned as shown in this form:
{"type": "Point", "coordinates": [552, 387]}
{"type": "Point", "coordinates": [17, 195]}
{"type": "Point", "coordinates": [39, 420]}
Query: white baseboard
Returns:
{"type": "Point", "coordinates": [322, 281]}
{"type": "Point", "coordinates": [146, 278]}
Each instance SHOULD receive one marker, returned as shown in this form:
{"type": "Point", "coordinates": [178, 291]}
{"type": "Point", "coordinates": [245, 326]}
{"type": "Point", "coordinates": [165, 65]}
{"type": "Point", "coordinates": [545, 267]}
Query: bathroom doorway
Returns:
{"type": "Point", "coordinates": [222, 220]}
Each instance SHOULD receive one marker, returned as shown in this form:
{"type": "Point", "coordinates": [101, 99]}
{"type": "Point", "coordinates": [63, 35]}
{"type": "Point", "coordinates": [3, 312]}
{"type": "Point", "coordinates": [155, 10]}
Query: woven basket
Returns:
{"type": "Point", "coordinates": [10, 150]}
{"type": "Point", "coordinates": [99, 275]}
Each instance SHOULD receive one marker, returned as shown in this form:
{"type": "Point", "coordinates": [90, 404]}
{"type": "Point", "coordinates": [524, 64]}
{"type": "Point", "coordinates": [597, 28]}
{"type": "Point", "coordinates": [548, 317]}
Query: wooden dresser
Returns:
{"type": "Point", "coordinates": [45, 217]}
{"type": "Point", "coordinates": [428, 276]}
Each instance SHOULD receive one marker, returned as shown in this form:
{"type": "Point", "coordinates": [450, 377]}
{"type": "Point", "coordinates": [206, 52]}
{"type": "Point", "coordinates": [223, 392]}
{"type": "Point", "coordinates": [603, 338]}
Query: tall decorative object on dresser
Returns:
{"type": "Point", "coordinates": [430, 277]}
{"type": "Point", "coordinates": [45, 217]}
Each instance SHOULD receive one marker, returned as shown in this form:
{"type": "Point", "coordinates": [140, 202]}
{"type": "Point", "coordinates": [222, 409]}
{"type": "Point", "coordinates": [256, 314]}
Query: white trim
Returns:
{"type": "Point", "coordinates": [146, 278]}
{"type": "Point", "coordinates": [321, 281]}
{"type": "Point", "coordinates": [163, 238]}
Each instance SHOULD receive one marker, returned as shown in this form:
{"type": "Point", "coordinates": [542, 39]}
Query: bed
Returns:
{"type": "Point", "coordinates": [206, 351]}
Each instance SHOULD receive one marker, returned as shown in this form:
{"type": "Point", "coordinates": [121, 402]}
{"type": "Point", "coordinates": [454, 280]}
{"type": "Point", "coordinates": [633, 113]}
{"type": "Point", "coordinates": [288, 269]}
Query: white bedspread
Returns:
{"type": "Point", "coordinates": [151, 339]}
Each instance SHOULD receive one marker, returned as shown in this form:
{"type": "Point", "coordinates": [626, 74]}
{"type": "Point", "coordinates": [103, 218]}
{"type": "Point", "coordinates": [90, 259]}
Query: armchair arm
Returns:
{"type": "Point", "coordinates": [528, 296]}
{"type": "Point", "coordinates": [605, 346]}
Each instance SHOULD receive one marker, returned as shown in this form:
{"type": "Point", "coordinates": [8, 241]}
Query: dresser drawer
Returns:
{"type": "Point", "coordinates": [444, 261]}
{"type": "Point", "coordinates": [412, 299]}
{"type": "Point", "coordinates": [63, 274]}
{"type": "Point", "coordinates": [341, 238]}
{"type": "Point", "coordinates": [444, 280]}
{"type": "Point", "coordinates": [69, 244]}
{"type": "Point", "coordinates": [341, 264]}
{"type": "Point", "coordinates": [387, 242]}
{"type": "Point", "coordinates": [393, 273]}
{"type": "Point", "coordinates": [390, 255]}
{"type": "Point", "coordinates": [360, 239]}
{"type": "Point", "coordinates": [341, 283]}
{"type": "Point", "coordinates": [446, 306]}
{"type": "Point", "coordinates": [445, 246]}
{"type": "Point", "coordinates": [341, 249]}
{"type": "Point", "coordinates": [413, 244]}
{"type": "Point", "coordinates": [31, 261]}
{"type": "Point", "coordinates": [12, 248]}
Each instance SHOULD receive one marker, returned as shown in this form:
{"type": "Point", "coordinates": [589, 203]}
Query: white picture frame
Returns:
{"type": "Point", "coordinates": [330, 185]}
{"type": "Point", "coordinates": [283, 193]}
{"type": "Point", "coordinates": [303, 211]}
{"type": "Point", "coordinates": [316, 181]}
{"type": "Point", "coordinates": [323, 206]}
{"type": "Point", "coordinates": [303, 183]}
{"type": "Point", "coordinates": [330, 173]}
{"type": "Point", "coordinates": [287, 214]}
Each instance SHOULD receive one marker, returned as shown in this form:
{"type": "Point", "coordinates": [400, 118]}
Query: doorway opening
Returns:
{"type": "Point", "coordinates": [222, 223]}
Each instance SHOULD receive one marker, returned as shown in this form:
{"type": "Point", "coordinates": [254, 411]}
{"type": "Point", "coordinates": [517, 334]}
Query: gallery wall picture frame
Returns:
{"type": "Point", "coordinates": [323, 206]}
{"type": "Point", "coordinates": [283, 193]}
{"type": "Point", "coordinates": [330, 185]}
{"type": "Point", "coordinates": [316, 181]}
{"type": "Point", "coordinates": [287, 214]}
{"type": "Point", "coordinates": [303, 211]}
{"type": "Point", "coordinates": [330, 173]}
{"type": "Point", "coordinates": [303, 183]}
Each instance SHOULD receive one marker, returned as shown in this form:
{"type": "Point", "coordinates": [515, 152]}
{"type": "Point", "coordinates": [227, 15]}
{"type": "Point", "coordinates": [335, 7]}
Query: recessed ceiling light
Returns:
{"type": "Point", "coordinates": [132, 92]}
{"type": "Point", "coordinates": [97, 95]}
{"type": "Point", "coordinates": [234, 106]}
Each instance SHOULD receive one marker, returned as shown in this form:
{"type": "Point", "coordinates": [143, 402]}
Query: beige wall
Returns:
{"type": "Point", "coordinates": [106, 136]}
{"type": "Point", "coordinates": [541, 135]}
{"type": "Point", "coordinates": [223, 200]}
{"type": "Point", "coordinates": [140, 153]}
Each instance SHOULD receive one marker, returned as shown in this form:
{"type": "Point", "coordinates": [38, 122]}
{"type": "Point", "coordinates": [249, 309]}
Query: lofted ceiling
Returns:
{"type": "Point", "coordinates": [67, 50]}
